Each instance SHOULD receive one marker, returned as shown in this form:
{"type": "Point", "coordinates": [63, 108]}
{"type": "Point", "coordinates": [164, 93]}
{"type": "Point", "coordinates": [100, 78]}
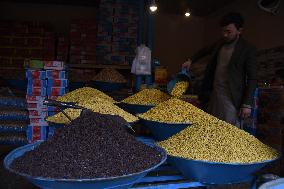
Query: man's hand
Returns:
{"type": "Point", "coordinates": [187, 64]}
{"type": "Point", "coordinates": [245, 112]}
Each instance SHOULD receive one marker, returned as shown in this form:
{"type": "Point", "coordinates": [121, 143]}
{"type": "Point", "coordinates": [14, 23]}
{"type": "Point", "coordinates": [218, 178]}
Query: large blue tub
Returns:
{"type": "Point", "coordinates": [134, 108]}
{"type": "Point", "coordinates": [217, 173]}
{"type": "Point", "coordinates": [162, 131]}
{"type": "Point", "coordinates": [107, 86]}
{"type": "Point", "coordinates": [121, 182]}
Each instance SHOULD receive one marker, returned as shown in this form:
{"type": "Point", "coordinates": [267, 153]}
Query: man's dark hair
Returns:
{"type": "Point", "coordinates": [232, 18]}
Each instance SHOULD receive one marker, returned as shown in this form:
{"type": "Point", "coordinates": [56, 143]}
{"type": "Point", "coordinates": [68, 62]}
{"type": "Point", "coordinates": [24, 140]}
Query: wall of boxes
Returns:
{"type": "Point", "coordinates": [83, 36]}
{"type": "Point", "coordinates": [117, 31]}
{"type": "Point", "coordinates": [21, 40]}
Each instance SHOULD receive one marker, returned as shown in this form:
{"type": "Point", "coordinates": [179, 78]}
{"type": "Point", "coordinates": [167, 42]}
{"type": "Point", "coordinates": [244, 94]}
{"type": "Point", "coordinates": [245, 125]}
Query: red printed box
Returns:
{"type": "Point", "coordinates": [34, 99]}
{"type": "Point", "coordinates": [37, 83]}
{"type": "Point", "coordinates": [37, 114]}
{"type": "Point", "coordinates": [36, 74]}
{"type": "Point", "coordinates": [57, 83]}
{"type": "Point", "coordinates": [36, 106]}
{"type": "Point", "coordinates": [38, 121]}
{"type": "Point", "coordinates": [56, 91]}
{"type": "Point", "coordinates": [55, 74]}
{"type": "Point", "coordinates": [36, 91]}
{"type": "Point", "coordinates": [36, 132]}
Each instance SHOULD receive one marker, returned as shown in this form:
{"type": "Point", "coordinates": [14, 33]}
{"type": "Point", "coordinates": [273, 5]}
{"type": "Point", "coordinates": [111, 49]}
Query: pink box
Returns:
{"type": "Point", "coordinates": [38, 121]}
{"type": "Point", "coordinates": [56, 91]}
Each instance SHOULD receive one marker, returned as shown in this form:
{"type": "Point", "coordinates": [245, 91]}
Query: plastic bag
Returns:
{"type": "Point", "coordinates": [142, 63]}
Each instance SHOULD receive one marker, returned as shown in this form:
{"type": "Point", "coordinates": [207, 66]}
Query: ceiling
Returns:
{"type": "Point", "coordinates": [200, 8]}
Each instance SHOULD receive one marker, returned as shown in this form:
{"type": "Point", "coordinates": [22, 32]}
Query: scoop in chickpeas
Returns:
{"type": "Point", "coordinates": [179, 88]}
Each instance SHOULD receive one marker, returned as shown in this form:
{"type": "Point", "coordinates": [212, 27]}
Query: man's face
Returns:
{"type": "Point", "coordinates": [230, 33]}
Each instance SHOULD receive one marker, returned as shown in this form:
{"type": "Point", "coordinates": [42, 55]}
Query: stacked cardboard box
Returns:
{"type": "Point", "coordinates": [21, 40]}
{"type": "Point", "coordinates": [83, 36]}
{"type": "Point", "coordinates": [57, 82]}
{"type": "Point", "coordinates": [36, 92]}
{"type": "Point", "coordinates": [105, 31]}
{"type": "Point", "coordinates": [117, 31]}
{"type": "Point", "coordinates": [49, 81]}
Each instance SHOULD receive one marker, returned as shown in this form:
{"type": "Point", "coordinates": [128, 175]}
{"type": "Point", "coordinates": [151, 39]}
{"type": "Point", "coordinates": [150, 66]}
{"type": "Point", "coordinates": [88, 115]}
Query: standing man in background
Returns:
{"type": "Point", "coordinates": [230, 77]}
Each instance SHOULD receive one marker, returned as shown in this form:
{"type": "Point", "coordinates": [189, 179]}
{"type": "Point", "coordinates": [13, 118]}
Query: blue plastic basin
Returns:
{"type": "Point", "coordinates": [162, 131]}
{"type": "Point", "coordinates": [217, 173]}
{"type": "Point", "coordinates": [134, 108]}
{"type": "Point", "coordinates": [107, 86]}
{"type": "Point", "coordinates": [275, 184]}
{"type": "Point", "coordinates": [120, 182]}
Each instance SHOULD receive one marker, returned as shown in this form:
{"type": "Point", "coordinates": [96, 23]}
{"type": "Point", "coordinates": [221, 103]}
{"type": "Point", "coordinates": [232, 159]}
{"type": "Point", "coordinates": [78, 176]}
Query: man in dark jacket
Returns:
{"type": "Point", "coordinates": [231, 75]}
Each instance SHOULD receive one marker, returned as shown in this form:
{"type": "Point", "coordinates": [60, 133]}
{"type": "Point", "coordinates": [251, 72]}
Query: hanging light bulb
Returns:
{"type": "Point", "coordinates": [153, 6]}
{"type": "Point", "coordinates": [187, 13]}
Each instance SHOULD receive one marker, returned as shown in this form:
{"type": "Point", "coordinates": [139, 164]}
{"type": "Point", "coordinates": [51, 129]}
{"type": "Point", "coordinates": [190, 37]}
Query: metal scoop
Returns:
{"type": "Point", "coordinates": [63, 105]}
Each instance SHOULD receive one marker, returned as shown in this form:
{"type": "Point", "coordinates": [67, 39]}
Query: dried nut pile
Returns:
{"type": "Point", "coordinates": [180, 88]}
{"type": "Point", "coordinates": [110, 75]}
{"type": "Point", "coordinates": [83, 93]}
{"type": "Point", "coordinates": [147, 97]}
{"type": "Point", "coordinates": [96, 105]}
{"type": "Point", "coordinates": [93, 146]}
{"type": "Point", "coordinates": [175, 111]}
{"type": "Point", "coordinates": [217, 141]}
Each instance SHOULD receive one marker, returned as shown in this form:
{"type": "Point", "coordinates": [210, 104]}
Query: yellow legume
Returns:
{"type": "Point", "coordinates": [95, 104]}
{"type": "Point", "coordinates": [217, 141]}
{"type": "Point", "coordinates": [84, 93]}
{"type": "Point", "coordinates": [147, 97]}
{"type": "Point", "coordinates": [110, 75]}
{"type": "Point", "coordinates": [180, 88]}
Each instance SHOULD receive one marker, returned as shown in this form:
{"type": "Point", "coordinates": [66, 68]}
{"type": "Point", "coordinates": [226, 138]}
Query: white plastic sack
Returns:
{"type": "Point", "coordinates": [142, 63]}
